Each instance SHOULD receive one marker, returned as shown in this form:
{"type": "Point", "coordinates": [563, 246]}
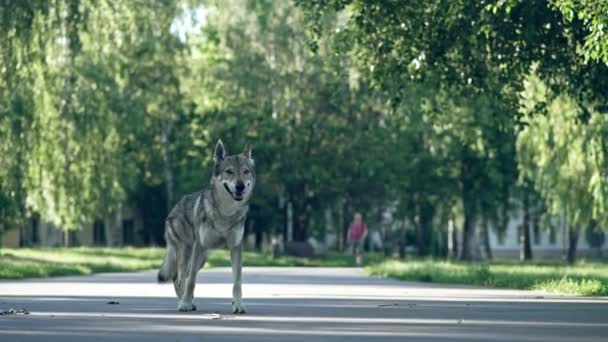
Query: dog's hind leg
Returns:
{"type": "Point", "coordinates": [197, 260]}
{"type": "Point", "coordinates": [168, 269]}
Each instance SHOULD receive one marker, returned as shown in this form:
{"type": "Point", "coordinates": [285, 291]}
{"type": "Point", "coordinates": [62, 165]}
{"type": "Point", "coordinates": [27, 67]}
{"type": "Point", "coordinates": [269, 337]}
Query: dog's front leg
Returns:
{"type": "Point", "coordinates": [237, 295]}
{"type": "Point", "coordinates": [197, 260]}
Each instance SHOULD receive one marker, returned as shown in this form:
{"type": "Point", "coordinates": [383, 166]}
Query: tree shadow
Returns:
{"type": "Point", "coordinates": [278, 319]}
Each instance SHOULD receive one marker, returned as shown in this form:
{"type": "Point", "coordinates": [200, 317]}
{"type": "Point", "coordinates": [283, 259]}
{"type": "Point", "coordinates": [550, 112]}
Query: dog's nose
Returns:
{"type": "Point", "coordinates": [240, 187]}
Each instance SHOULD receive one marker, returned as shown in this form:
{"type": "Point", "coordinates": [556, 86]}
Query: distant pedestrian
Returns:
{"type": "Point", "coordinates": [356, 235]}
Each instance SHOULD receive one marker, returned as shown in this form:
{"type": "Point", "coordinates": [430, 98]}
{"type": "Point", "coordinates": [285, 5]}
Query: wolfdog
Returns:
{"type": "Point", "coordinates": [205, 220]}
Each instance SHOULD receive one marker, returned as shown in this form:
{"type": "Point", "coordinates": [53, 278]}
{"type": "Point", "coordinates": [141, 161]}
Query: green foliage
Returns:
{"type": "Point", "coordinates": [258, 81]}
{"type": "Point", "coordinates": [480, 52]}
{"type": "Point", "coordinates": [594, 15]}
{"type": "Point", "coordinates": [465, 41]}
{"type": "Point", "coordinates": [434, 109]}
{"type": "Point", "coordinates": [74, 103]}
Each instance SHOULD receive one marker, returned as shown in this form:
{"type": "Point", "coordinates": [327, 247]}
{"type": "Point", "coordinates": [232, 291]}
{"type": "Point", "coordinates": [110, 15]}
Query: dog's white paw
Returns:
{"type": "Point", "coordinates": [238, 306]}
{"type": "Point", "coordinates": [185, 306]}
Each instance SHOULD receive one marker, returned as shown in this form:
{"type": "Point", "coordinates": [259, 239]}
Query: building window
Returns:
{"type": "Point", "coordinates": [35, 225]}
{"type": "Point", "coordinates": [99, 233]}
{"type": "Point", "coordinates": [552, 235]}
{"type": "Point", "coordinates": [536, 232]}
{"type": "Point", "coordinates": [501, 238]}
{"type": "Point", "coordinates": [73, 238]}
{"type": "Point", "coordinates": [127, 232]}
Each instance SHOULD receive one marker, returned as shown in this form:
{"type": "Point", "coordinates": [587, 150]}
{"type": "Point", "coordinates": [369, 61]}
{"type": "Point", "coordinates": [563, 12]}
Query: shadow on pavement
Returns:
{"type": "Point", "coordinates": [279, 319]}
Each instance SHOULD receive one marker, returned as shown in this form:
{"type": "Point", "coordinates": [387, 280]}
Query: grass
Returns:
{"type": "Point", "coordinates": [221, 258]}
{"type": "Point", "coordinates": [48, 262]}
{"type": "Point", "coordinates": [584, 278]}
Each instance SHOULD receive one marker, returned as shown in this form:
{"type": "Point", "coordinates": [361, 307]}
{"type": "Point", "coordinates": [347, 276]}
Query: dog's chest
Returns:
{"type": "Point", "coordinates": [214, 235]}
{"type": "Point", "coordinates": [214, 229]}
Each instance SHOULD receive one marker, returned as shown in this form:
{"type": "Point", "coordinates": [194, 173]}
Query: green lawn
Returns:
{"type": "Point", "coordinates": [48, 262]}
{"type": "Point", "coordinates": [583, 278]}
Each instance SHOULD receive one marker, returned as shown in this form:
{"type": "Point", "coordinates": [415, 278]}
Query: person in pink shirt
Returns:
{"type": "Point", "coordinates": [357, 231]}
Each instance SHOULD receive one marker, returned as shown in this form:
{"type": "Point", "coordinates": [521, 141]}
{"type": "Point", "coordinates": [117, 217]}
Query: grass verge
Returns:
{"type": "Point", "coordinates": [583, 278]}
{"type": "Point", "coordinates": [49, 262]}
{"type": "Point", "coordinates": [21, 263]}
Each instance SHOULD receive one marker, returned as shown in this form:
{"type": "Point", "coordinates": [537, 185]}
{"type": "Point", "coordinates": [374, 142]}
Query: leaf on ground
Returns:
{"type": "Point", "coordinates": [385, 305]}
{"type": "Point", "coordinates": [13, 311]}
{"type": "Point", "coordinates": [215, 316]}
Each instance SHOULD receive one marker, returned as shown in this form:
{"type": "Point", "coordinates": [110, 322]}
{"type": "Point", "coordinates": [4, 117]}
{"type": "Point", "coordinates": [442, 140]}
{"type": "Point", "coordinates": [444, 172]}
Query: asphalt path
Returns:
{"type": "Point", "coordinates": [291, 304]}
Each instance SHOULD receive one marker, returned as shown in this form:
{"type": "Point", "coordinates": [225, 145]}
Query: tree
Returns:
{"type": "Point", "coordinates": [68, 57]}
{"type": "Point", "coordinates": [476, 46]}
{"type": "Point", "coordinates": [351, 105]}
{"type": "Point", "coordinates": [16, 105]}
{"type": "Point", "coordinates": [593, 16]}
{"type": "Point", "coordinates": [564, 156]}
{"type": "Point", "coordinates": [303, 111]}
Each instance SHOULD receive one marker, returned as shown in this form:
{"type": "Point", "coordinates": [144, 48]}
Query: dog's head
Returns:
{"type": "Point", "coordinates": [235, 173]}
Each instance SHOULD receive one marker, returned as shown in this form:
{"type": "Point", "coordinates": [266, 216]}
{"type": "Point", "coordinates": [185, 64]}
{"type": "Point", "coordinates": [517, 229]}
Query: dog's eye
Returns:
{"type": "Point", "coordinates": [229, 172]}
{"type": "Point", "coordinates": [246, 172]}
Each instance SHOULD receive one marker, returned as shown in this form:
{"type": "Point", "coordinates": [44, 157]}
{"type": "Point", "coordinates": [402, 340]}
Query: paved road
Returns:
{"type": "Point", "coordinates": [292, 304]}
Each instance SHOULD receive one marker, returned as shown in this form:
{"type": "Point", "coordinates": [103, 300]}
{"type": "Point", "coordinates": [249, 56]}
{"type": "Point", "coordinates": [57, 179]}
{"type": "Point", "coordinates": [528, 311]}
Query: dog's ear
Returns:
{"type": "Point", "coordinates": [247, 154]}
{"type": "Point", "coordinates": [220, 152]}
{"type": "Point", "coordinates": [247, 151]}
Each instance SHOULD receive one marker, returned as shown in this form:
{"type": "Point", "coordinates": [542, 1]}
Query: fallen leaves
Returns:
{"type": "Point", "coordinates": [13, 311]}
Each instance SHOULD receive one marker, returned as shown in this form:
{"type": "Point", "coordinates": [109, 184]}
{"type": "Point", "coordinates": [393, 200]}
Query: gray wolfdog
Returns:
{"type": "Point", "coordinates": [206, 219]}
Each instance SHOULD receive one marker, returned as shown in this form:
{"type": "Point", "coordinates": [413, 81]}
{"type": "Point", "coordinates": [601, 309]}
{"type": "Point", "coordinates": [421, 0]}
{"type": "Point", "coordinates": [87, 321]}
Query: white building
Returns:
{"type": "Point", "coordinates": [546, 243]}
{"type": "Point", "coordinates": [124, 228]}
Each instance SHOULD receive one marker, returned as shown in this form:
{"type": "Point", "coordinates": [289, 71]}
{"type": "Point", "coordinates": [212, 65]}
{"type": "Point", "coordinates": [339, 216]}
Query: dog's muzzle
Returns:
{"type": "Point", "coordinates": [238, 196]}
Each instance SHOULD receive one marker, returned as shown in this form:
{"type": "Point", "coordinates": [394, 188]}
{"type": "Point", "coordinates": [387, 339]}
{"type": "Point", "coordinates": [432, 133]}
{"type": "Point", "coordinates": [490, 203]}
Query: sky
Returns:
{"type": "Point", "coordinates": [191, 21]}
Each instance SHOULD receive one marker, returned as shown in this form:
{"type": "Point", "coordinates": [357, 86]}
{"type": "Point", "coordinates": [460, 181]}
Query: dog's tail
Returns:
{"type": "Point", "coordinates": [168, 270]}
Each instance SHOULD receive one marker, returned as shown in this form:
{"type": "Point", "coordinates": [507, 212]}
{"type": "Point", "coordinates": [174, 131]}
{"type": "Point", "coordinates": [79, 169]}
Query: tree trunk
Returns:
{"type": "Point", "coordinates": [467, 183]}
{"type": "Point", "coordinates": [169, 183]}
{"type": "Point", "coordinates": [345, 224]}
{"type": "Point", "coordinates": [258, 234]}
{"type": "Point", "coordinates": [485, 232]}
{"type": "Point", "coordinates": [66, 238]}
{"type": "Point", "coordinates": [339, 227]}
{"type": "Point", "coordinates": [1, 237]}
{"type": "Point", "coordinates": [402, 242]}
{"type": "Point", "coordinates": [288, 227]}
{"type": "Point", "coordinates": [468, 237]}
{"type": "Point", "coordinates": [525, 247]}
{"type": "Point", "coordinates": [572, 244]}
{"type": "Point", "coordinates": [300, 223]}
{"type": "Point", "coordinates": [424, 229]}
{"type": "Point", "coordinates": [452, 240]}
